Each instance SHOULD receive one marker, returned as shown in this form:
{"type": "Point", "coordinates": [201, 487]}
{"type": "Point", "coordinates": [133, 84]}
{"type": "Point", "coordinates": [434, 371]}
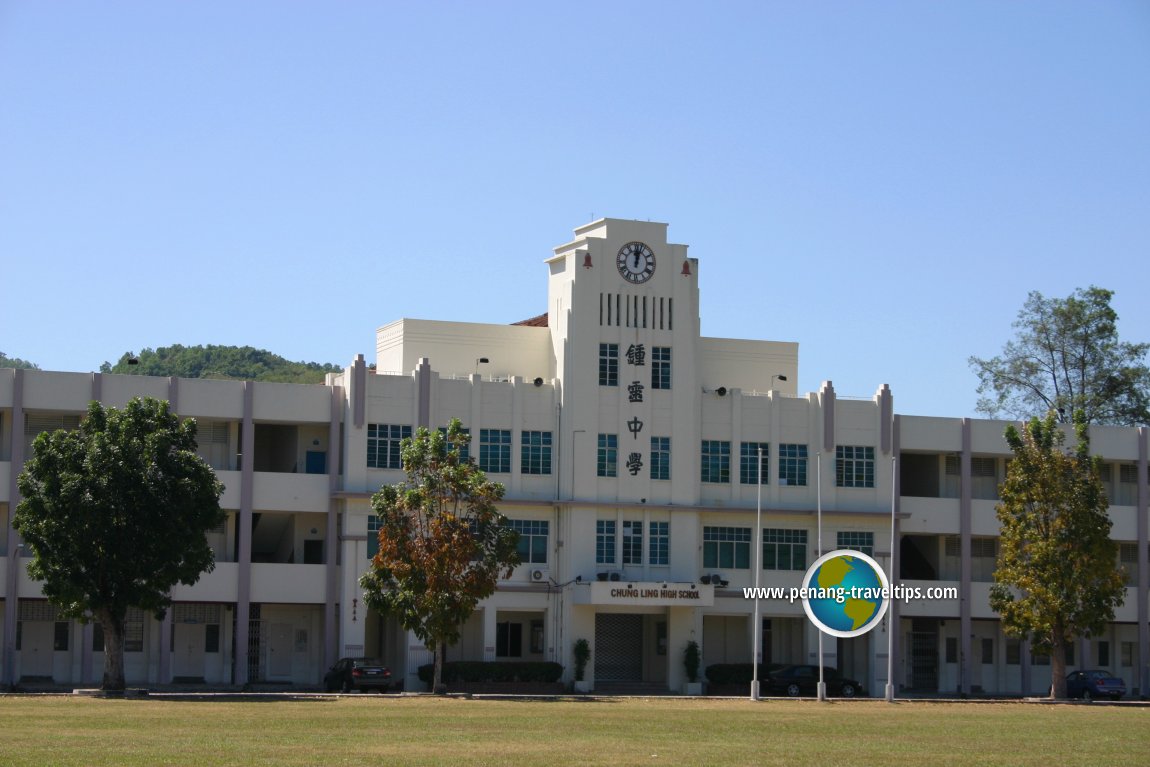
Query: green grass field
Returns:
{"type": "Point", "coordinates": [384, 730]}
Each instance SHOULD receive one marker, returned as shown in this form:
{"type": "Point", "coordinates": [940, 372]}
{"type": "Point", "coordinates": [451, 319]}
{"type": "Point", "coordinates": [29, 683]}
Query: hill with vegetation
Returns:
{"type": "Point", "coordinates": [243, 363]}
{"type": "Point", "coordinates": [16, 362]}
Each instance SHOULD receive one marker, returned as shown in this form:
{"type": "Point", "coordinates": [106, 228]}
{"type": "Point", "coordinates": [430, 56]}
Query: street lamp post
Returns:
{"type": "Point", "coordinates": [890, 618]}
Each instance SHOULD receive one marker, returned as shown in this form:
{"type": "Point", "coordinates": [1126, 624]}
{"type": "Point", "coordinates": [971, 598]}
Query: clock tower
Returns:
{"type": "Point", "coordinates": [623, 312]}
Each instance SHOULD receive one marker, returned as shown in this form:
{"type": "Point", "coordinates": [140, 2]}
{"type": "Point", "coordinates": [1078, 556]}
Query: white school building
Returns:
{"type": "Point", "coordinates": [628, 445]}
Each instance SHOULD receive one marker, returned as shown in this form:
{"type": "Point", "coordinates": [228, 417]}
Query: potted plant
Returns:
{"type": "Point", "coordinates": [582, 655]}
{"type": "Point", "coordinates": [691, 660]}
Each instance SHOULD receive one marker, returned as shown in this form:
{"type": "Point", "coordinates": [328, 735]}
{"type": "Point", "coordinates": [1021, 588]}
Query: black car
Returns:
{"type": "Point", "coordinates": [797, 680]}
{"type": "Point", "coordinates": [1094, 684]}
{"type": "Point", "coordinates": [357, 674]}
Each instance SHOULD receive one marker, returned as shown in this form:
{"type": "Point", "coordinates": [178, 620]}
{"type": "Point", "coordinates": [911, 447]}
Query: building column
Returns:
{"type": "Point", "coordinates": [12, 590]}
{"type": "Point", "coordinates": [964, 512]}
{"type": "Point", "coordinates": [1024, 664]}
{"type": "Point", "coordinates": [86, 634]}
{"type": "Point", "coordinates": [331, 533]}
{"type": "Point", "coordinates": [244, 535]}
{"type": "Point", "coordinates": [164, 675]}
{"type": "Point", "coordinates": [489, 631]}
{"type": "Point", "coordinates": [1143, 591]}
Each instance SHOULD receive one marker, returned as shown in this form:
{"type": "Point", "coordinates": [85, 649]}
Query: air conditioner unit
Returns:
{"type": "Point", "coordinates": [538, 575]}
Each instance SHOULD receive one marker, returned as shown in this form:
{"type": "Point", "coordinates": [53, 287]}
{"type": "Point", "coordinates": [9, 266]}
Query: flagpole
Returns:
{"type": "Point", "coordinates": [756, 629]}
{"type": "Point", "coordinates": [822, 688]}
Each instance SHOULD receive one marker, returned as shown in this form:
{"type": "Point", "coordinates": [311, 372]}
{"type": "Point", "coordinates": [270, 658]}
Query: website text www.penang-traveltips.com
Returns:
{"type": "Point", "coordinates": [841, 593]}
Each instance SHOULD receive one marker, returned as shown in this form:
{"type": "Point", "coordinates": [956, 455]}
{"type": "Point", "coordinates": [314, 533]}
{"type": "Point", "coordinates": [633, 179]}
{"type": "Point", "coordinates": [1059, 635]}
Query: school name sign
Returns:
{"type": "Point", "coordinates": [647, 594]}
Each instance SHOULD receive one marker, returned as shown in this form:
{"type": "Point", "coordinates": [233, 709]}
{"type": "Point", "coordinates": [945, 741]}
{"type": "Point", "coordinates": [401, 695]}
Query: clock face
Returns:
{"type": "Point", "coordinates": [636, 262]}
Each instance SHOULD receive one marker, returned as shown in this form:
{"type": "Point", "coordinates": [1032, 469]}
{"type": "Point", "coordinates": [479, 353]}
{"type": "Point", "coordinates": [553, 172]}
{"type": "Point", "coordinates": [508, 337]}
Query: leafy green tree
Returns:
{"type": "Point", "coordinates": [16, 362]}
{"type": "Point", "coordinates": [442, 542]}
{"type": "Point", "coordinates": [1057, 575]}
{"type": "Point", "coordinates": [116, 513]}
{"type": "Point", "coordinates": [1067, 357]}
{"type": "Point", "coordinates": [242, 363]}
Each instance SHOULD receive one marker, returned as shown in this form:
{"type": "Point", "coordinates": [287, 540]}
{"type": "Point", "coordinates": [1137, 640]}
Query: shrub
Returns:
{"type": "Point", "coordinates": [494, 671]}
{"type": "Point", "coordinates": [737, 673]}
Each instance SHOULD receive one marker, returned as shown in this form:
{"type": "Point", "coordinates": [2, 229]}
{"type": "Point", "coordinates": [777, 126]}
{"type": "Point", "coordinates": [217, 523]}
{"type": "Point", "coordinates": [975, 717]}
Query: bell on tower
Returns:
{"type": "Point", "coordinates": [586, 260]}
{"type": "Point", "coordinates": [686, 268]}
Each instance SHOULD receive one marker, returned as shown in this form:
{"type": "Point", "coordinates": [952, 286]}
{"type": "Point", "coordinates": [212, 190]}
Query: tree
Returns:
{"type": "Point", "coordinates": [116, 513]}
{"type": "Point", "coordinates": [442, 543]}
{"type": "Point", "coordinates": [1067, 357]}
{"type": "Point", "coordinates": [1057, 574]}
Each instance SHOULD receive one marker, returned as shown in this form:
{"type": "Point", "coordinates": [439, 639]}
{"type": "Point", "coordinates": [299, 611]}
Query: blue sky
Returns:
{"type": "Point", "coordinates": [882, 182]}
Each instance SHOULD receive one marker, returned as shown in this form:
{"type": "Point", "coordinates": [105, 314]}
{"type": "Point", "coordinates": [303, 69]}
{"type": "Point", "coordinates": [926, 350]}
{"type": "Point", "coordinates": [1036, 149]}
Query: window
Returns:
{"type": "Point", "coordinates": [1127, 650]}
{"type": "Point", "coordinates": [951, 650]}
{"type": "Point", "coordinates": [212, 637]}
{"type": "Point", "coordinates": [60, 636]}
{"type": "Point", "coordinates": [660, 367]}
{"type": "Point", "coordinates": [608, 364]}
{"type": "Point", "coordinates": [536, 452]}
{"type": "Point", "coordinates": [1068, 654]}
{"type": "Point", "coordinates": [727, 547]}
{"type": "Point", "coordinates": [495, 450]}
{"type": "Point", "coordinates": [660, 457]}
{"type": "Point", "coordinates": [605, 542]}
{"type": "Point", "coordinates": [1128, 561]}
{"type": "Point", "coordinates": [659, 543]}
{"type": "Point", "coordinates": [508, 640]}
{"type": "Point", "coordinates": [987, 650]}
{"type": "Point", "coordinates": [607, 462]}
{"type": "Point", "coordinates": [1013, 652]}
{"type": "Point", "coordinates": [792, 464]}
{"type": "Point", "coordinates": [134, 630]}
{"type": "Point", "coordinates": [464, 448]}
{"type": "Point", "coordinates": [632, 542]}
{"type": "Point", "coordinates": [1127, 494]}
{"type": "Point", "coordinates": [784, 549]}
{"type": "Point", "coordinates": [1103, 653]}
{"type": "Point", "coordinates": [372, 536]}
{"type": "Point", "coordinates": [749, 463]}
{"type": "Point", "coordinates": [1040, 660]}
{"type": "Point", "coordinates": [35, 424]}
{"type": "Point", "coordinates": [863, 542]}
{"type": "Point", "coordinates": [212, 443]}
{"type": "Point", "coordinates": [532, 540]}
{"type": "Point", "coordinates": [716, 461]}
{"type": "Point", "coordinates": [383, 442]}
{"type": "Point", "coordinates": [984, 478]}
{"type": "Point", "coordinates": [854, 466]}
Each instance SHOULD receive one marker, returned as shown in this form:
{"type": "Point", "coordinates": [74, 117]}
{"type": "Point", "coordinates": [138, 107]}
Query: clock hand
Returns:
{"type": "Point", "coordinates": [636, 260]}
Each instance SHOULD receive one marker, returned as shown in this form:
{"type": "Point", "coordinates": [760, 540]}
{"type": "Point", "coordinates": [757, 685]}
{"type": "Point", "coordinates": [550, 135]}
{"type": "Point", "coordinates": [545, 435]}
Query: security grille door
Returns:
{"type": "Point", "coordinates": [618, 648]}
{"type": "Point", "coordinates": [924, 661]}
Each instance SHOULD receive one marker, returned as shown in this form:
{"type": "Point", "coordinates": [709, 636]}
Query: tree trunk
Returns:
{"type": "Point", "coordinates": [437, 685]}
{"type": "Point", "coordinates": [1058, 669]}
{"type": "Point", "coordinates": [113, 651]}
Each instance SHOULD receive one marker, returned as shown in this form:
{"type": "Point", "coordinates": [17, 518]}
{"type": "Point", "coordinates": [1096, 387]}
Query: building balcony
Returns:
{"type": "Point", "coordinates": [289, 584]}
{"type": "Point", "coordinates": [290, 492]}
{"type": "Point", "coordinates": [220, 585]}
